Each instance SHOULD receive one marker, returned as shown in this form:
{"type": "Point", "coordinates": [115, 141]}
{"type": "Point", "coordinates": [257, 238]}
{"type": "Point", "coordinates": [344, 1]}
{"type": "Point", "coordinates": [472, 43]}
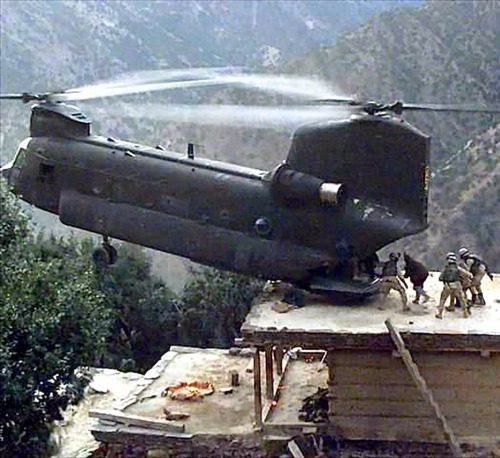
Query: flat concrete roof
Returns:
{"type": "Point", "coordinates": [324, 324]}
{"type": "Point", "coordinates": [217, 414]}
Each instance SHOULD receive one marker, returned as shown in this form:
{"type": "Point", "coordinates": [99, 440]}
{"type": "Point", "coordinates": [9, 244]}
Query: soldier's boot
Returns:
{"type": "Point", "coordinates": [450, 308]}
{"type": "Point", "coordinates": [439, 315]}
{"type": "Point", "coordinates": [480, 299]}
{"type": "Point", "coordinates": [475, 299]}
{"type": "Point", "coordinates": [466, 313]}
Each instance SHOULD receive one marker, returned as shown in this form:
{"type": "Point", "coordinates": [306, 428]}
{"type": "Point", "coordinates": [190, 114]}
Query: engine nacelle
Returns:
{"type": "Point", "coordinates": [58, 120]}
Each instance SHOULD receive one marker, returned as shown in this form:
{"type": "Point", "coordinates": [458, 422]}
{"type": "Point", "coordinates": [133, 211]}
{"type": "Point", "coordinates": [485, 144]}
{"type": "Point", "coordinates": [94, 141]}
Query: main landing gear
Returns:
{"type": "Point", "coordinates": [106, 255]}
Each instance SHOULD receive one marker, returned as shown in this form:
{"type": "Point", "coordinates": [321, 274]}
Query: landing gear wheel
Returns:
{"type": "Point", "coordinates": [112, 253]}
{"type": "Point", "coordinates": [100, 257]}
{"type": "Point", "coordinates": [295, 297]}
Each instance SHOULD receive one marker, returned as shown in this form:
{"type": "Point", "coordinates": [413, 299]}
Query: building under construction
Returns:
{"type": "Point", "coordinates": [322, 380]}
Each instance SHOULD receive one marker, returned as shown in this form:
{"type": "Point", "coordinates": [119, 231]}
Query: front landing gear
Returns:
{"type": "Point", "coordinates": [295, 297]}
{"type": "Point", "coordinates": [106, 255]}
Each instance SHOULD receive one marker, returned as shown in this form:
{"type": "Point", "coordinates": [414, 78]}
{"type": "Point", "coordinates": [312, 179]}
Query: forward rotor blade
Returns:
{"type": "Point", "coordinates": [235, 115]}
{"type": "Point", "coordinates": [155, 76]}
{"type": "Point", "coordinates": [12, 96]}
{"type": "Point", "coordinates": [291, 86]}
{"type": "Point", "coordinates": [450, 108]}
{"type": "Point", "coordinates": [104, 91]}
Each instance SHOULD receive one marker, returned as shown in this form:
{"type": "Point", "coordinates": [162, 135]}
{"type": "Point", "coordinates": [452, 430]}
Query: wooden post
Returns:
{"type": "Point", "coordinates": [257, 390]}
{"type": "Point", "coordinates": [234, 378]}
{"type": "Point", "coordinates": [329, 363]}
{"type": "Point", "coordinates": [269, 372]}
{"type": "Point", "coordinates": [424, 390]}
{"type": "Point", "coordinates": [279, 359]}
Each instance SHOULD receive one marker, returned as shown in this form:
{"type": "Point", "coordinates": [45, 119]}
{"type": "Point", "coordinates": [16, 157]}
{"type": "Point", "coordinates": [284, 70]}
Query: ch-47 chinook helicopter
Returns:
{"type": "Point", "coordinates": [347, 188]}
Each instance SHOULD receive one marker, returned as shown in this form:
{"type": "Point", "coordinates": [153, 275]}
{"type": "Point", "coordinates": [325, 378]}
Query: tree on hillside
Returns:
{"type": "Point", "coordinates": [53, 321]}
{"type": "Point", "coordinates": [144, 317]}
{"type": "Point", "coordinates": [213, 306]}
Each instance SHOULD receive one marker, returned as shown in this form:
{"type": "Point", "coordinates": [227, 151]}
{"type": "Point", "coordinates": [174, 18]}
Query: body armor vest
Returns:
{"type": "Point", "coordinates": [390, 269]}
{"type": "Point", "coordinates": [450, 274]}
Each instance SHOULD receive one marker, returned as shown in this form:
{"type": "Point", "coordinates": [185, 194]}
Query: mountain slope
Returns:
{"type": "Point", "coordinates": [445, 52]}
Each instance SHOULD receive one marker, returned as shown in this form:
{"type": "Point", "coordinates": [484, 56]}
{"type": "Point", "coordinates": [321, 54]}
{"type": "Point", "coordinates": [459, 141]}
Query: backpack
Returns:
{"type": "Point", "coordinates": [450, 274]}
{"type": "Point", "coordinates": [476, 264]}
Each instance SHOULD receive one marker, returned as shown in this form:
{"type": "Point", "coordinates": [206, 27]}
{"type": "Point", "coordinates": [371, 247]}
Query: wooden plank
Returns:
{"type": "Point", "coordinates": [413, 429]}
{"type": "Point", "coordinates": [406, 393]}
{"type": "Point", "coordinates": [385, 359]}
{"type": "Point", "coordinates": [289, 429]}
{"type": "Point", "coordinates": [347, 340]}
{"type": "Point", "coordinates": [422, 386]}
{"type": "Point", "coordinates": [459, 360]}
{"type": "Point", "coordinates": [387, 429]}
{"type": "Point", "coordinates": [415, 408]}
{"type": "Point", "coordinates": [136, 420]}
{"type": "Point", "coordinates": [279, 359]}
{"type": "Point", "coordinates": [257, 389]}
{"type": "Point", "coordinates": [435, 377]}
{"type": "Point", "coordinates": [267, 411]}
{"type": "Point", "coordinates": [268, 353]}
{"type": "Point", "coordinates": [330, 362]}
{"type": "Point", "coordinates": [389, 392]}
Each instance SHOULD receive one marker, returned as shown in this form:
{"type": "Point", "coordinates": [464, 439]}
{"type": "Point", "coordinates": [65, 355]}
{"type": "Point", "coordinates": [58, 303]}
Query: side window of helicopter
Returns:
{"type": "Point", "coordinates": [46, 173]}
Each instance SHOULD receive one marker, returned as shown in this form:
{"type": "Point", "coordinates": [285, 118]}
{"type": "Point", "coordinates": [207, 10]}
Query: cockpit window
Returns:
{"type": "Point", "coordinates": [22, 153]}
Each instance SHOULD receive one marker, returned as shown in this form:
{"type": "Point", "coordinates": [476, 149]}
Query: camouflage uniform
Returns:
{"type": "Point", "coordinates": [466, 282]}
{"type": "Point", "coordinates": [452, 287]}
{"type": "Point", "coordinates": [393, 280]}
{"type": "Point", "coordinates": [478, 268]}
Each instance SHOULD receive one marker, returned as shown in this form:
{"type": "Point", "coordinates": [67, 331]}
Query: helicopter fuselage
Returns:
{"type": "Point", "coordinates": [289, 223]}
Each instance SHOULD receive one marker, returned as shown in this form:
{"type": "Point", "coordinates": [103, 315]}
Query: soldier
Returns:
{"type": "Point", "coordinates": [417, 273]}
{"type": "Point", "coordinates": [466, 280]}
{"type": "Point", "coordinates": [478, 268]}
{"type": "Point", "coordinates": [393, 279]}
{"type": "Point", "coordinates": [450, 276]}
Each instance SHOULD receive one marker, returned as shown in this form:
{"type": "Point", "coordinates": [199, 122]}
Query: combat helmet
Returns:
{"type": "Point", "coordinates": [451, 258]}
{"type": "Point", "coordinates": [463, 252]}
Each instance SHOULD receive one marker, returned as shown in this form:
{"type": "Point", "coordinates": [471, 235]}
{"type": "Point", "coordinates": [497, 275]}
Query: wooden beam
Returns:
{"type": "Point", "coordinates": [268, 351]}
{"type": "Point", "coordinates": [136, 420]}
{"type": "Point", "coordinates": [257, 389]}
{"type": "Point", "coordinates": [330, 363]}
{"type": "Point", "coordinates": [269, 405]}
{"type": "Point", "coordinates": [278, 351]}
{"type": "Point", "coordinates": [424, 390]}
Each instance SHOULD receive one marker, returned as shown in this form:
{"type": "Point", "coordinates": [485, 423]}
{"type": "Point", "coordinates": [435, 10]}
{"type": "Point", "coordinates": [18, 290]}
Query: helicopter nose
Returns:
{"type": "Point", "coordinates": [5, 170]}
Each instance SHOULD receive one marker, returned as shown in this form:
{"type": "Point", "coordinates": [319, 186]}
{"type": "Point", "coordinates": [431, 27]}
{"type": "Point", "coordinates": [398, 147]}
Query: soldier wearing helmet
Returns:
{"type": "Point", "coordinates": [392, 279]}
{"type": "Point", "coordinates": [478, 268]}
{"type": "Point", "coordinates": [452, 286]}
{"type": "Point", "coordinates": [465, 280]}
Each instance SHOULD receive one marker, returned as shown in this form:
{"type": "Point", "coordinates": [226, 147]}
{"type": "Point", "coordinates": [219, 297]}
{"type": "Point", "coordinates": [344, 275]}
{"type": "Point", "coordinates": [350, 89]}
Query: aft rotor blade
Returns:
{"type": "Point", "coordinates": [450, 108]}
{"type": "Point", "coordinates": [235, 115]}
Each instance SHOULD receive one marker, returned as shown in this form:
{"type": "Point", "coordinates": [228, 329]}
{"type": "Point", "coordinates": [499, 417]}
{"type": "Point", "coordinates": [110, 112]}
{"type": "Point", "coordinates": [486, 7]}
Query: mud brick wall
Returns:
{"type": "Point", "coordinates": [373, 397]}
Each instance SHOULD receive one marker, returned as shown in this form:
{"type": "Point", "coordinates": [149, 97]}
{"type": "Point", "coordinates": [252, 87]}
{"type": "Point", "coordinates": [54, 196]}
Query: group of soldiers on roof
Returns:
{"type": "Point", "coordinates": [459, 276]}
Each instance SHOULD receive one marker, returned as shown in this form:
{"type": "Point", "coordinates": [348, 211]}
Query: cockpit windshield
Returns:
{"type": "Point", "coordinates": [22, 153]}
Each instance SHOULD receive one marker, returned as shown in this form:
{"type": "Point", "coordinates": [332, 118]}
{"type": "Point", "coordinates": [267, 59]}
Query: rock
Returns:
{"type": "Point", "coordinates": [280, 307]}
